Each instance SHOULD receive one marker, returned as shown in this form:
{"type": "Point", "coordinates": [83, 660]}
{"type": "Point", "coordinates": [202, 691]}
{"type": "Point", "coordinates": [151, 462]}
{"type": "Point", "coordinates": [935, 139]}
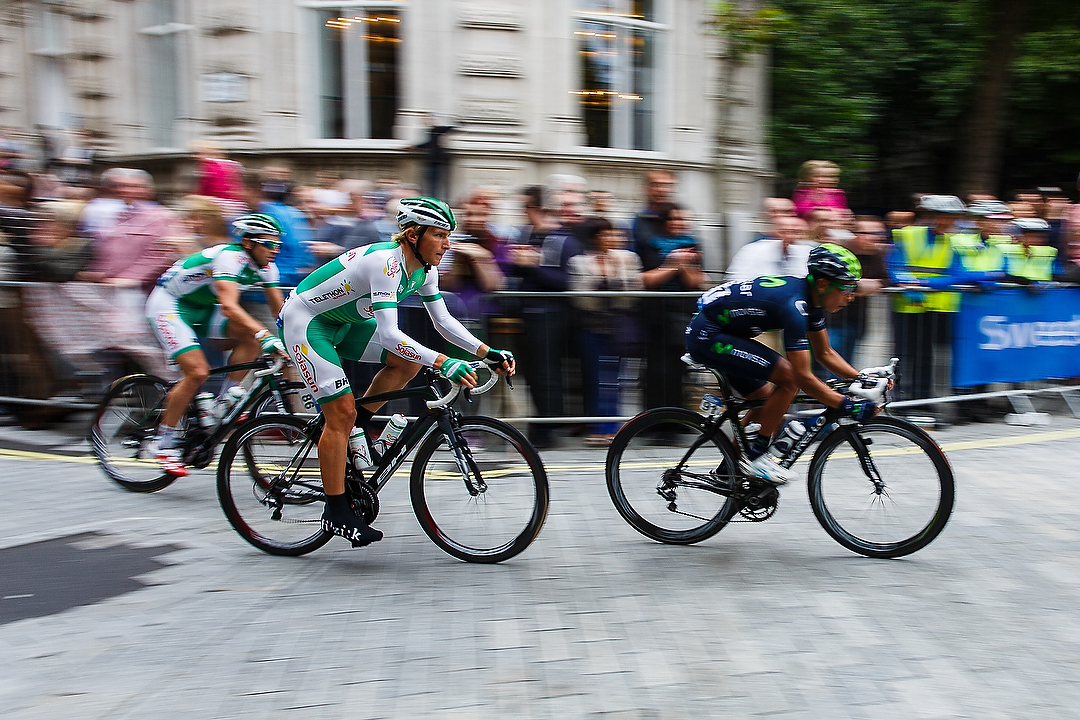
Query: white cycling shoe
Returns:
{"type": "Point", "coordinates": [766, 468]}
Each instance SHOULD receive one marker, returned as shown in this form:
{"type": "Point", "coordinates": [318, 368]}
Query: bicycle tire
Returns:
{"type": "Point", "coordinates": [923, 490]}
{"type": "Point", "coordinates": [462, 523]}
{"type": "Point", "coordinates": [122, 428]}
{"type": "Point", "coordinates": [641, 464]}
{"type": "Point", "coordinates": [251, 495]}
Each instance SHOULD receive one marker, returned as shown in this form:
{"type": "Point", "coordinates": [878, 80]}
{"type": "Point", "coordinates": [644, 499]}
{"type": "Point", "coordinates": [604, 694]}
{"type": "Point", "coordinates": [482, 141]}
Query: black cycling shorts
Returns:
{"type": "Point", "coordinates": [746, 363]}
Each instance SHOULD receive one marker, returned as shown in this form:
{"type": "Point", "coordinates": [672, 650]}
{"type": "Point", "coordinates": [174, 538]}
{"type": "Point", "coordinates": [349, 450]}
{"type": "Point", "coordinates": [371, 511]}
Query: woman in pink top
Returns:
{"type": "Point", "coordinates": [817, 187]}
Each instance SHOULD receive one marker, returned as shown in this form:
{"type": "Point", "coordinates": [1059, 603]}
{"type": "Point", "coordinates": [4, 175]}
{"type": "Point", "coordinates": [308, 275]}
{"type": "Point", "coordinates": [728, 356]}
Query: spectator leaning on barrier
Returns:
{"type": "Point", "coordinates": [923, 256]}
{"type": "Point", "coordinates": [1030, 257]}
{"type": "Point", "coordinates": [58, 252]}
{"type": "Point", "coordinates": [543, 265]}
{"type": "Point", "coordinates": [671, 261]}
{"type": "Point", "coordinates": [979, 250]}
{"type": "Point", "coordinates": [784, 254]}
{"type": "Point", "coordinates": [146, 239]}
{"type": "Point", "coordinates": [607, 329]}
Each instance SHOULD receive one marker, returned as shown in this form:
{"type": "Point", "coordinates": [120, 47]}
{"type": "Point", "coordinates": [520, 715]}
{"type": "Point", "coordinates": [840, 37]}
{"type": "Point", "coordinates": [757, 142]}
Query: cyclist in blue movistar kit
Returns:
{"type": "Point", "coordinates": [730, 315]}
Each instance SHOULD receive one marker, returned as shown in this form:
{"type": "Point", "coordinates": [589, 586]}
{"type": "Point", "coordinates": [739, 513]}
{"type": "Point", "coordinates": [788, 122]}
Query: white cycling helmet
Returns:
{"type": "Point", "coordinates": [425, 211]}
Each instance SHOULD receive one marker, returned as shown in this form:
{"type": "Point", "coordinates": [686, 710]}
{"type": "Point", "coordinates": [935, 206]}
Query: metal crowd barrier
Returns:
{"type": "Point", "coordinates": [585, 357]}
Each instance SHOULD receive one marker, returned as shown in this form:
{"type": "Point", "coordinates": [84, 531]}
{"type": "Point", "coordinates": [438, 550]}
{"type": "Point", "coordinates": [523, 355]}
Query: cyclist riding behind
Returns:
{"type": "Point", "coordinates": [199, 296]}
{"type": "Point", "coordinates": [348, 309]}
{"type": "Point", "coordinates": [729, 315]}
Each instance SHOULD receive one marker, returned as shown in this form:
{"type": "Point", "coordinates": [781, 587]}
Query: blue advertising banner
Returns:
{"type": "Point", "coordinates": [1016, 335]}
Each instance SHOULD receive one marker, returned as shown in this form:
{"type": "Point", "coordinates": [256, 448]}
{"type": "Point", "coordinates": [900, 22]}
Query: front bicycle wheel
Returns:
{"type": "Point", "coordinates": [667, 480]}
{"type": "Point", "coordinates": [882, 489]}
{"type": "Point", "coordinates": [486, 504]}
{"type": "Point", "coordinates": [123, 429]}
{"type": "Point", "coordinates": [269, 485]}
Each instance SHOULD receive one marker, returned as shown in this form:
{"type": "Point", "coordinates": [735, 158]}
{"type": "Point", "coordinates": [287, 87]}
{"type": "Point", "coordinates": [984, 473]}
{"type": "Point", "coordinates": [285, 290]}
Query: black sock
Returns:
{"type": "Point", "coordinates": [363, 417]}
{"type": "Point", "coordinates": [757, 448]}
{"type": "Point", "coordinates": [337, 503]}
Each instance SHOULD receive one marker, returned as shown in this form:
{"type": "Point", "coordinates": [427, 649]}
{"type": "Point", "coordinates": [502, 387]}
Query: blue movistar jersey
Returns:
{"type": "Point", "coordinates": [747, 309]}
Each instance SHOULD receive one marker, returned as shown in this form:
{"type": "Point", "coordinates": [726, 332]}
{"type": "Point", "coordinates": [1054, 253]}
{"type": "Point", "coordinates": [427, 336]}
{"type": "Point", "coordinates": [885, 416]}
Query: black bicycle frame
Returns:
{"type": "Point", "coordinates": [414, 434]}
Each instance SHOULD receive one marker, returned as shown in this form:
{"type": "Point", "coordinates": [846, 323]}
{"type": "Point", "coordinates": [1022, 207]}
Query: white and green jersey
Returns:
{"type": "Point", "coordinates": [350, 288]}
{"type": "Point", "coordinates": [348, 309]}
{"type": "Point", "coordinates": [192, 278]}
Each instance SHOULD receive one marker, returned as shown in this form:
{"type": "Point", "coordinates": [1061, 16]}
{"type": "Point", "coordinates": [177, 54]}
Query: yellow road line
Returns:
{"type": "Point", "coordinates": [959, 445]}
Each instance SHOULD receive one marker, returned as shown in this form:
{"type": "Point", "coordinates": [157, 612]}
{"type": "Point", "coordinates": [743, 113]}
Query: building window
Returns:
{"type": "Point", "coordinates": [161, 34]}
{"type": "Point", "coordinates": [617, 50]}
{"type": "Point", "coordinates": [359, 62]}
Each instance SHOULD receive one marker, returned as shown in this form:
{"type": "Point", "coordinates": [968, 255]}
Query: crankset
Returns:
{"type": "Point", "coordinates": [364, 501]}
{"type": "Point", "coordinates": [760, 506]}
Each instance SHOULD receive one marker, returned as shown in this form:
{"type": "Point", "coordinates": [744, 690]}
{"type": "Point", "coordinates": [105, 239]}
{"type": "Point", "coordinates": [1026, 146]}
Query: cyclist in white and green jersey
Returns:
{"type": "Point", "coordinates": [348, 309]}
{"type": "Point", "coordinates": [199, 296]}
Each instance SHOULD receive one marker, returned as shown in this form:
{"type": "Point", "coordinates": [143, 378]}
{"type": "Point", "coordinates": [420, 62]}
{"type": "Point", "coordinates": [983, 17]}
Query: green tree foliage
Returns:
{"type": "Point", "coordinates": [884, 88]}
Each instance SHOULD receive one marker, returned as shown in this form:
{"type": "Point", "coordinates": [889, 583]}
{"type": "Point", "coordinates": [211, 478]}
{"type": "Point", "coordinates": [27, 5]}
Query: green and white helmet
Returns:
{"type": "Point", "coordinates": [834, 263]}
{"type": "Point", "coordinates": [256, 224]}
{"type": "Point", "coordinates": [425, 211]}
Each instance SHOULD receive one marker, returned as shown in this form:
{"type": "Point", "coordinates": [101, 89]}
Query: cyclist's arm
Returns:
{"type": "Point", "coordinates": [827, 356]}
{"type": "Point", "coordinates": [397, 342]}
{"type": "Point", "coordinates": [228, 294]}
{"type": "Point", "coordinates": [809, 383]}
{"type": "Point", "coordinates": [449, 327]}
{"type": "Point", "coordinates": [275, 299]}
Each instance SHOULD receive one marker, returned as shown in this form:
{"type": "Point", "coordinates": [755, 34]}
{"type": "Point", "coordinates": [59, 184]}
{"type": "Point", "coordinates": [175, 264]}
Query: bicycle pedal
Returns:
{"type": "Point", "coordinates": [276, 515]}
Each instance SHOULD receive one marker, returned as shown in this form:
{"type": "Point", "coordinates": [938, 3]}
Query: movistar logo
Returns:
{"type": "Point", "coordinates": [724, 318]}
{"type": "Point", "coordinates": [768, 281]}
{"type": "Point", "coordinates": [722, 349]}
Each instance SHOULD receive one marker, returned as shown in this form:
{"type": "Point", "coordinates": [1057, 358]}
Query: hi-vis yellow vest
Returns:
{"type": "Point", "coordinates": [1033, 263]}
{"type": "Point", "coordinates": [976, 256]}
{"type": "Point", "coordinates": [925, 260]}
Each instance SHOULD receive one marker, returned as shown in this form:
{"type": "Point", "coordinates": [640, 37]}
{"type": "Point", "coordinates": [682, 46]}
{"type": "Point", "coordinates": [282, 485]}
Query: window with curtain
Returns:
{"type": "Point", "coordinates": [616, 45]}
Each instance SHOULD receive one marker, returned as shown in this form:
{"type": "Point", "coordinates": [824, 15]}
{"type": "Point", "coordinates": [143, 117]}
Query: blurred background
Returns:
{"type": "Point", "coordinates": [585, 144]}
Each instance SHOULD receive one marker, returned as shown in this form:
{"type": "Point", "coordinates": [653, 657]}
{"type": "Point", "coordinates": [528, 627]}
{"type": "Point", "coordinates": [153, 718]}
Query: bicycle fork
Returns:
{"type": "Point", "coordinates": [470, 473]}
{"type": "Point", "coordinates": [859, 445]}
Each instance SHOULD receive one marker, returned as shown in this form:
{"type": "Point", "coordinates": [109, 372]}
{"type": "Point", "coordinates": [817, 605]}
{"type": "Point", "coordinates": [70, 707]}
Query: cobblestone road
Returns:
{"type": "Point", "coordinates": [593, 620]}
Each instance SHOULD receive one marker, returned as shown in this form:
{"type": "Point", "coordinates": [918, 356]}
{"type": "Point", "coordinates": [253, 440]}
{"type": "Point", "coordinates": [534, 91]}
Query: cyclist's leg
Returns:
{"type": "Point", "coordinates": [310, 343]}
{"type": "Point", "coordinates": [176, 328]}
{"type": "Point", "coordinates": [749, 366]}
{"type": "Point", "coordinates": [362, 344]}
{"type": "Point", "coordinates": [245, 347]}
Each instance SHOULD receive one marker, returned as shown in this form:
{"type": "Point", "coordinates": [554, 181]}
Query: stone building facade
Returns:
{"type": "Point", "coordinates": [606, 89]}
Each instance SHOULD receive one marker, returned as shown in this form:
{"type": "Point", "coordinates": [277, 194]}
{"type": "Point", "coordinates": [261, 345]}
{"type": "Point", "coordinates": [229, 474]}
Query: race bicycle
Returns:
{"type": "Point", "coordinates": [126, 420]}
{"type": "Point", "coordinates": [478, 487]}
{"type": "Point", "coordinates": [882, 488]}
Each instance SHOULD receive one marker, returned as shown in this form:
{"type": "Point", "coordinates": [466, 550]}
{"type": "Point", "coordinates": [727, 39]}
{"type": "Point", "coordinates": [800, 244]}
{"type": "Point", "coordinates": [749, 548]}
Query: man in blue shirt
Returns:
{"type": "Point", "coordinates": [294, 261]}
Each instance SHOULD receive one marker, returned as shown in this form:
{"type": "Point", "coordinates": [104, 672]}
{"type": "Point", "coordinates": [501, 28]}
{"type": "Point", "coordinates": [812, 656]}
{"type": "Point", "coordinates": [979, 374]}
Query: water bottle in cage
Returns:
{"type": "Point", "coordinates": [204, 401]}
{"type": "Point", "coordinates": [787, 439]}
{"type": "Point", "coordinates": [390, 434]}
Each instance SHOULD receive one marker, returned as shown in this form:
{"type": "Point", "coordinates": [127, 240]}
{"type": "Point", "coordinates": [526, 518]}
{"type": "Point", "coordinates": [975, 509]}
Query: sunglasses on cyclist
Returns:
{"type": "Point", "coordinates": [846, 288]}
{"type": "Point", "coordinates": [270, 243]}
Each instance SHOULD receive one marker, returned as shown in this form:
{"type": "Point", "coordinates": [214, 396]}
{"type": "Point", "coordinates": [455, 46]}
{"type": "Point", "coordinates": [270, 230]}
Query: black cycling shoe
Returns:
{"type": "Point", "coordinates": [350, 527]}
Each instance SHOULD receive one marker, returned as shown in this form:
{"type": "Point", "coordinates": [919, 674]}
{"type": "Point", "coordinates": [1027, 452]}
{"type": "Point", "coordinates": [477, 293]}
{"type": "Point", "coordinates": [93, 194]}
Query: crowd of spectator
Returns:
{"type": "Point", "coordinates": [578, 355]}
